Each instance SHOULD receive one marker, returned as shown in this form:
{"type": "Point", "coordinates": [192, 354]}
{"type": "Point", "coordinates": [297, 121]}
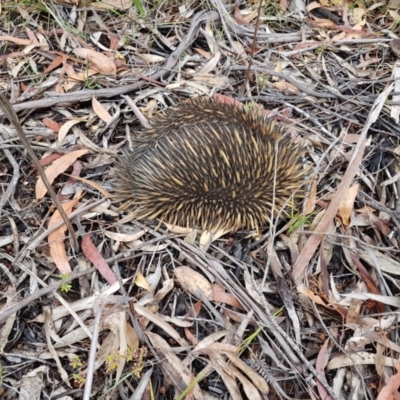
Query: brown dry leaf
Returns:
{"type": "Point", "coordinates": [117, 4]}
{"type": "Point", "coordinates": [283, 85]}
{"type": "Point", "coordinates": [194, 283]}
{"type": "Point", "coordinates": [221, 296]}
{"type": "Point", "coordinates": [57, 168]}
{"type": "Point", "coordinates": [100, 111]}
{"type": "Point", "coordinates": [60, 59]}
{"type": "Point", "coordinates": [141, 281]}
{"type": "Point", "coordinates": [57, 237]}
{"type": "Point", "coordinates": [99, 61]}
{"type": "Point", "coordinates": [313, 297]}
{"type": "Point", "coordinates": [311, 199]}
{"type": "Point", "coordinates": [32, 36]}
{"type": "Point", "coordinates": [203, 346]}
{"type": "Point", "coordinates": [238, 15]}
{"type": "Point", "coordinates": [77, 77]}
{"type": "Point", "coordinates": [23, 42]}
{"type": "Point", "coordinates": [49, 159]}
{"type": "Point", "coordinates": [226, 99]}
{"type": "Point", "coordinates": [391, 390]}
{"type": "Point", "coordinates": [322, 360]}
{"type": "Point", "coordinates": [51, 124]}
{"type": "Point", "coordinates": [248, 17]}
{"type": "Point", "coordinates": [210, 79]}
{"type": "Point", "coordinates": [346, 205]}
{"type": "Point", "coordinates": [206, 54]}
{"type": "Point", "coordinates": [152, 58]}
{"type": "Point", "coordinates": [354, 311]}
{"type": "Point", "coordinates": [93, 254]}
{"type": "Point", "coordinates": [65, 129]}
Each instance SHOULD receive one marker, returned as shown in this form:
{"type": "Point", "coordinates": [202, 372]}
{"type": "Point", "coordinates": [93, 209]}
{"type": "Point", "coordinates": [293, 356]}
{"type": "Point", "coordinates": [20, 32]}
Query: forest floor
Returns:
{"type": "Point", "coordinates": [109, 307]}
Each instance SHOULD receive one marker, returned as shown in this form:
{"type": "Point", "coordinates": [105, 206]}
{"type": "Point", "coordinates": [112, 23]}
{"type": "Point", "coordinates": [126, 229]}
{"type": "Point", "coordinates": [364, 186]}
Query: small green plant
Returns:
{"type": "Point", "coordinates": [79, 380]}
{"type": "Point", "coordinates": [112, 361]}
{"type": "Point", "coordinates": [297, 219]}
{"type": "Point", "coordinates": [66, 285]}
{"type": "Point", "coordinates": [262, 80]}
{"type": "Point", "coordinates": [76, 363]}
{"type": "Point", "coordinates": [139, 356]}
{"type": "Point", "coordinates": [319, 50]}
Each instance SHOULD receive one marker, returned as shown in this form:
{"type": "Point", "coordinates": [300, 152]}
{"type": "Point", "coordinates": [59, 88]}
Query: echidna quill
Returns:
{"type": "Point", "coordinates": [211, 164]}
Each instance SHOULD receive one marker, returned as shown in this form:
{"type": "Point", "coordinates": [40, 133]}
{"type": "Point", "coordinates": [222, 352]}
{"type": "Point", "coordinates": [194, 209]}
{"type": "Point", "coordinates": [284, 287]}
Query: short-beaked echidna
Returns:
{"type": "Point", "coordinates": [211, 164]}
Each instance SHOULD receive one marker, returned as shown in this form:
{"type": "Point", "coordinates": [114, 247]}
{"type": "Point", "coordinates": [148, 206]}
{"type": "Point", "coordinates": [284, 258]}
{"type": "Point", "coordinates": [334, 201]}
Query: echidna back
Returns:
{"type": "Point", "coordinates": [211, 164]}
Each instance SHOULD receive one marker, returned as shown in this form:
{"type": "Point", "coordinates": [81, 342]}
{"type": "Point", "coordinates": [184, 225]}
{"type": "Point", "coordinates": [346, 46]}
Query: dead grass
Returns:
{"type": "Point", "coordinates": [114, 308]}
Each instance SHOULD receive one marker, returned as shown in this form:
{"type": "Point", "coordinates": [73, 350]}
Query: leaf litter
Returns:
{"type": "Point", "coordinates": [305, 309]}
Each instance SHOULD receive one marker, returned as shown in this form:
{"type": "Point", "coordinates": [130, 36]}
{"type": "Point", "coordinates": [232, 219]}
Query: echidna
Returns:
{"type": "Point", "coordinates": [211, 164]}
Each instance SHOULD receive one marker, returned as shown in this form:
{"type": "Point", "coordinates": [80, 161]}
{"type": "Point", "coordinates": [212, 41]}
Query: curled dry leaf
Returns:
{"type": "Point", "coordinates": [346, 205]}
{"type": "Point", "coordinates": [63, 131]}
{"type": "Point", "coordinates": [194, 283]}
{"type": "Point", "coordinates": [141, 281]}
{"type": "Point", "coordinates": [57, 168]}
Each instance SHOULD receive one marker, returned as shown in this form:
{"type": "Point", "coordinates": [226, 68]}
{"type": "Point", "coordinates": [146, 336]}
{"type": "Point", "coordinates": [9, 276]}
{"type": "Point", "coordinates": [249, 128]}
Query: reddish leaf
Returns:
{"type": "Point", "coordinates": [91, 252]}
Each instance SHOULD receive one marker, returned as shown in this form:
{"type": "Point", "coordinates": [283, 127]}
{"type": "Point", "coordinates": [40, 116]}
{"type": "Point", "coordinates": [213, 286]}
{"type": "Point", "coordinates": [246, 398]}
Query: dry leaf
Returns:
{"type": "Point", "coordinates": [152, 58]}
{"type": "Point", "coordinates": [57, 168]}
{"type": "Point", "coordinates": [141, 281]}
{"type": "Point", "coordinates": [23, 42]}
{"type": "Point", "coordinates": [65, 129]}
{"type": "Point", "coordinates": [194, 283]}
{"type": "Point", "coordinates": [124, 237]}
{"type": "Point", "coordinates": [117, 4]}
{"type": "Point", "coordinates": [97, 60]}
{"type": "Point", "coordinates": [57, 237]}
{"type": "Point", "coordinates": [93, 254]}
{"type": "Point", "coordinates": [100, 111]}
{"type": "Point", "coordinates": [221, 296]}
{"type": "Point", "coordinates": [51, 124]}
{"type": "Point", "coordinates": [346, 205]}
